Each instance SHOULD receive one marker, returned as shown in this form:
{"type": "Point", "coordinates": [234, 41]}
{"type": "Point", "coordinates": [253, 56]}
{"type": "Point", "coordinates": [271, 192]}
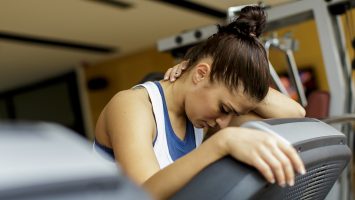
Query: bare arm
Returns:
{"type": "Point", "coordinates": [274, 105]}
{"type": "Point", "coordinates": [173, 177]}
{"type": "Point", "coordinates": [130, 126]}
{"type": "Point", "coordinates": [274, 159]}
{"type": "Point", "coordinates": [277, 105]}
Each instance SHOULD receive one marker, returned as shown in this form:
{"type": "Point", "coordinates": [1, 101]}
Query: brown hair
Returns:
{"type": "Point", "coordinates": [238, 56]}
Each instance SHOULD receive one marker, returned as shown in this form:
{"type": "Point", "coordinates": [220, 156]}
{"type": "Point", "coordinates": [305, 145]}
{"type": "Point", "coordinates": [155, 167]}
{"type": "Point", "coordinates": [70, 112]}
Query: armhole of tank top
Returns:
{"type": "Point", "coordinates": [199, 135]}
{"type": "Point", "coordinates": [141, 86]}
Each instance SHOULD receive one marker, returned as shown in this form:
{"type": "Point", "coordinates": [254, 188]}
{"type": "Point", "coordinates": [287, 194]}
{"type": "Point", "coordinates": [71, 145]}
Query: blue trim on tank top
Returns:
{"type": "Point", "coordinates": [106, 149]}
{"type": "Point", "coordinates": [177, 147]}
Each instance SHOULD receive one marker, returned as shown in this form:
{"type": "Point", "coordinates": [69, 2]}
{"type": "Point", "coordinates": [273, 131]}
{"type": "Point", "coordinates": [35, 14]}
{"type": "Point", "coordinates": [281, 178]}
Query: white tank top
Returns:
{"type": "Point", "coordinates": [161, 148]}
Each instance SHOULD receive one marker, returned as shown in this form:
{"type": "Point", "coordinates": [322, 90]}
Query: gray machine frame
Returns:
{"type": "Point", "coordinates": [322, 148]}
{"type": "Point", "coordinates": [337, 67]}
{"type": "Point", "coordinates": [44, 161]}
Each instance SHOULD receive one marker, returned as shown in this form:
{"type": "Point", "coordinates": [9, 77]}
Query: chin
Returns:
{"type": "Point", "coordinates": [198, 125]}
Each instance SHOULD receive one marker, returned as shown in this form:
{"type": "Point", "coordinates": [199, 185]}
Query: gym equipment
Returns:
{"type": "Point", "coordinates": [286, 45]}
{"type": "Point", "coordinates": [49, 162]}
{"type": "Point", "coordinates": [322, 148]}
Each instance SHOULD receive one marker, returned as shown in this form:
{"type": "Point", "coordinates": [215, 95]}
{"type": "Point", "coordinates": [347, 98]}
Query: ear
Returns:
{"type": "Point", "coordinates": [202, 72]}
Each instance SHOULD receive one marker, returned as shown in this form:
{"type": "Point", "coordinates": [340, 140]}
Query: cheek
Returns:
{"type": "Point", "coordinates": [200, 107]}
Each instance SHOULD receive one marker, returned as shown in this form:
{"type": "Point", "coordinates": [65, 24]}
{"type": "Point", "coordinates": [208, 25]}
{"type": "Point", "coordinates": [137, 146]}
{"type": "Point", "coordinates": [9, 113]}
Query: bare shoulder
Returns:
{"type": "Point", "coordinates": [130, 126]}
{"type": "Point", "coordinates": [129, 107]}
{"type": "Point", "coordinates": [135, 98]}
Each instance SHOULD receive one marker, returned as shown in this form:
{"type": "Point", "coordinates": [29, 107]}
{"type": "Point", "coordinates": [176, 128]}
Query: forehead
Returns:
{"type": "Point", "coordinates": [236, 99]}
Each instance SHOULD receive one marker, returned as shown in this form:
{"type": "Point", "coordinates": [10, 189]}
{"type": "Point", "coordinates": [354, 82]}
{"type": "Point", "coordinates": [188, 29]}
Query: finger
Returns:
{"type": "Point", "coordinates": [264, 169]}
{"type": "Point", "coordinates": [167, 74]}
{"type": "Point", "coordinates": [294, 157]}
{"type": "Point", "coordinates": [274, 164]}
{"type": "Point", "coordinates": [287, 165]}
{"type": "Point", "coordinates": [181, 67]}
{"type": "Point", "coordinates": [173, 72]}
{"type": "Point", "coordinates": [178, 70]}
{"type": "Point", "coordinates": [184, 65]}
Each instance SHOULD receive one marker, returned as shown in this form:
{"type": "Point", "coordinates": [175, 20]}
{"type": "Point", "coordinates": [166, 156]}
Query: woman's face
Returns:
{"type": "Point", "coordinates": [213, 104]}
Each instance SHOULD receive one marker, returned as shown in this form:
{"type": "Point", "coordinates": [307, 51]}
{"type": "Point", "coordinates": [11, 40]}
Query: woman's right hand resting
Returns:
{"type": "Point", "coordinates": [274, 158]}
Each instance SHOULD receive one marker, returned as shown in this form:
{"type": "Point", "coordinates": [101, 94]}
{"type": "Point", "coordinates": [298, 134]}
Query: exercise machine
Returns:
{"type": "Point", "coordinates": [42, 161]}
{"type": "Point", "coordinates": [322, 148]}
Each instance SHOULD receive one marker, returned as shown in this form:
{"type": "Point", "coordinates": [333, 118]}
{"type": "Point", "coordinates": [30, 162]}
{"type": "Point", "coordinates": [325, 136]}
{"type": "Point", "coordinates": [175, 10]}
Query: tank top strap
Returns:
{"type": "Point", "coordinates": [160, 145]}
{"type": "Point", "coordinates": [198, 136]}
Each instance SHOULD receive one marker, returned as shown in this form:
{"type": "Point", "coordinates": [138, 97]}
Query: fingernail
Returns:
{"type": "Point", "coordinates": [165, 78]}
{"type": "Point", "coordinates": [291, 183]}
{"type": "Point", "coordinates": [272, 181]}
{"type": "Point", "coordinates": [282, 185]}
{"type": "Point", "coordinates": [302, 171]}
{"type": "Point", "coordinates": [172, 79]}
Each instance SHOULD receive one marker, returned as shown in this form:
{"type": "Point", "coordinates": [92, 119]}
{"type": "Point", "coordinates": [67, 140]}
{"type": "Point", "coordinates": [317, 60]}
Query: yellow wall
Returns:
{"type": "Point", "coordinates": [309, 53]}
{"type": "Point", "coordinates": [123, 73]}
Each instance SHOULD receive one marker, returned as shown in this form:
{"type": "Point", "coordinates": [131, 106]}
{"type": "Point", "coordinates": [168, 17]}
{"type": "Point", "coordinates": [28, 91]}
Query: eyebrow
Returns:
{"type": "Point", "coordinates": [234, 110]}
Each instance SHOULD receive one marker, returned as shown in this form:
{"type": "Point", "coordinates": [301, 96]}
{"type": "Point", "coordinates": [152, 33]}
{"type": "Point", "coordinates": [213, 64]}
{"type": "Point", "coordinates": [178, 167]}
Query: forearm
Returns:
{"type": "Point", "coordinates": [277, 105]}
{"type": "Point", "coordinates": [172, 178]}
{"type": "Point", "coordinates": [239, 120]}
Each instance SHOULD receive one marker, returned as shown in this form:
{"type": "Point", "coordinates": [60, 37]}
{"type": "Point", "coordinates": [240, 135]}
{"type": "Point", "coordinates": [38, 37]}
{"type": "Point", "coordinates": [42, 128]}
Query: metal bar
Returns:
{"type": "Point", "coordinates": [186, 38]}
{"type": "Point", "coordinates": [340, 119]}
{"type": "Point", "coordinates": [295, 77]}
{"type": "Point", "coordinates": [276, 79]}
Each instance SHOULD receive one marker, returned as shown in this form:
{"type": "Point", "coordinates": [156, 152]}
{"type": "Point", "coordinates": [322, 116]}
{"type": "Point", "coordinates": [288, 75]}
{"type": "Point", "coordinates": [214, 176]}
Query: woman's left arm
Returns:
{"type": "Point", "coordinates": [274, 105]}
{"type": "Point", "coordinates": [277, 105]}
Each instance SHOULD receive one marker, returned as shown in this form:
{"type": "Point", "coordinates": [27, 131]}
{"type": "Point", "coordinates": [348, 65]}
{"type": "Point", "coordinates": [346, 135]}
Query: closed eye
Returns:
{"type": "Point", "coordinates": [223, 110]}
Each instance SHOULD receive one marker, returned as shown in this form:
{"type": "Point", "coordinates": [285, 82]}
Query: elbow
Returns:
{"type": "Point", "coordinates": [300, 112]}
{"type": "Point", "coordinates": [294, 111]}
{"type": "Point", "coordinates": [152, 192]}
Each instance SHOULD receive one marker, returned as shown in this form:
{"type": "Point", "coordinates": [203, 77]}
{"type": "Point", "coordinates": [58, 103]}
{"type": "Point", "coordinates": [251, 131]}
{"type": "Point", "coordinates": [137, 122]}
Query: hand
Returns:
{"type": "Point", "coordinates": [175, 71]}
{"type": "Point", "coordinates": [272, 156]}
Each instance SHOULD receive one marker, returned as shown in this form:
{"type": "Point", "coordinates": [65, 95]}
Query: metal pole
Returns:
{"type": "Point", "coordinates": [295, 77]}
{"type": "Point", "coordinates": [275, 77]}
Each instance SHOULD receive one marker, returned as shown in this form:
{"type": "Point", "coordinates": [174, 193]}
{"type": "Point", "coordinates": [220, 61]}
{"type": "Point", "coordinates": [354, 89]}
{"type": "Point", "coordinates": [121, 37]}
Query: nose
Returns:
{"type": "Point", "coordinates": [211, 123]}
{"type": "Point", "coordinates": [223, 121]}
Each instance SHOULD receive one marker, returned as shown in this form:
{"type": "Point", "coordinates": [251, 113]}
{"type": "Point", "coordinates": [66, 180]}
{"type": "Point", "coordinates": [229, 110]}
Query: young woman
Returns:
{"type": "Point", "coordinates": [155, 130]}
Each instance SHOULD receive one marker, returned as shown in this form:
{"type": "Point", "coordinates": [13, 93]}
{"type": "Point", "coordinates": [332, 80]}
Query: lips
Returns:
{"type": "Point", "coordinates": [201, 124]}
{"type": "Point", "coordinates": [205, 124]}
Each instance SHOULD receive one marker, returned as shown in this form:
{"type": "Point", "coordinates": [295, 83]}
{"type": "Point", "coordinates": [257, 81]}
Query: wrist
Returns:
{"type": "Point", "coordinates": [221, 140]}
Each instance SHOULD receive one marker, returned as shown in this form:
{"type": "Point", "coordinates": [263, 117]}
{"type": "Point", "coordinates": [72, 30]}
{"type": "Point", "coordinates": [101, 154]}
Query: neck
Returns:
{"type": "Point", "coordinates": [175, 97]}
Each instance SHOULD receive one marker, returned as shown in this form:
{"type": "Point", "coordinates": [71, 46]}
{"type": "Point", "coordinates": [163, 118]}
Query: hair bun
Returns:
{"type": "Point", "coordinates": [251, 22]}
